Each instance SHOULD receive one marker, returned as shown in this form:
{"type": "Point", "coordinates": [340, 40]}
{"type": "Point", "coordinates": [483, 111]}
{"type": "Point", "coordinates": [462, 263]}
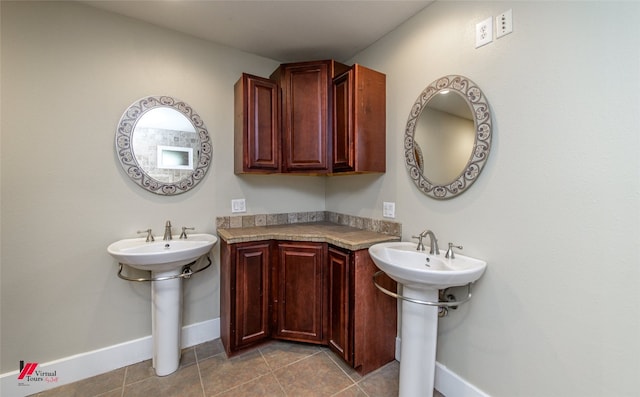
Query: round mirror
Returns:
{"type": "Point", "coordinates": [163, 145]}
{"type": "Point", "coordinates": [448, 137]}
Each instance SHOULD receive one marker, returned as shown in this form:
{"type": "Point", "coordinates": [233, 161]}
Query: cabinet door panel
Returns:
{"type": "Point", "coordinates": [300, 292]}
{"type": "Point", "coordinates": [306, 117]}
{"type": "Point", "coordinates": [257, 125]}
{"type": "Point", "coordinates": [252, 294]}
{"type": "Point", "coordinates": [340, 336]}
{"type": "Point", "coordinates": [343, 139]}
{"type": "Point", "coordinates": [359, 121]}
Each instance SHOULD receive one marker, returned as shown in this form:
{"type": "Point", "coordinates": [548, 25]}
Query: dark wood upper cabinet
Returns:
{"type": "Point", "coordinates": [359, 121]}
{"type": "Point", "coordinates": [307, 114]}
{"type": "Point", "coordinates": [256, 125]}
{"type": "Point", "coordinates": [317, 117]}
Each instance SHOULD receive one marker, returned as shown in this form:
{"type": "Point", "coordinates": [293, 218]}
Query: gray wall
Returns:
{"type": "Point", "coordinates": [556, 212]}
{"type": "Point", "coordinates": [68, 73]}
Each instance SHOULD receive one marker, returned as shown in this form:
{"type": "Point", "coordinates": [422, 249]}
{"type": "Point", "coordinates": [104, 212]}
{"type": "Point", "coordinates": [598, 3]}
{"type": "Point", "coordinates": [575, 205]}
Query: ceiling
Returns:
{"type": "Point", "coordinates": [285, 31]}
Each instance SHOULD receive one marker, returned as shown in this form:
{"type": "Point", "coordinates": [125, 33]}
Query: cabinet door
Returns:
{"type": "Point", "coordinates": [257, 125]}
{"type": "Point", "coordinates": [251, 293]}
{"type": "Point", "coordinates": [374, 316]}
{"type": "Point", "coordinates": [359, 121]}
{"type": "Point", "coordinates": [299, 290]}
{"type": "Point", "coordinates": [305, 90]}
{"type": "Point", "coordinates": [340, 338]}
{"type": "Point", "coordinates": [343, 156]}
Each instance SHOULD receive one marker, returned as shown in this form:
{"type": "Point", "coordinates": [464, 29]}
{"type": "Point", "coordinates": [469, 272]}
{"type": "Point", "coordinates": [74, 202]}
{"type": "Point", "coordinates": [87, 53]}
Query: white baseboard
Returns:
{"type": "Point", "coordinates": [85, 365]}
{"type": "Point", "coordinates": [448, 382]}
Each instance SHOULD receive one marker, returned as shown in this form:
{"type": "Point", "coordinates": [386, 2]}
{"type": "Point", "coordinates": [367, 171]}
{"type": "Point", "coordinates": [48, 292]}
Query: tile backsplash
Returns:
{"type": "Point", "coordinates": [369, 224]}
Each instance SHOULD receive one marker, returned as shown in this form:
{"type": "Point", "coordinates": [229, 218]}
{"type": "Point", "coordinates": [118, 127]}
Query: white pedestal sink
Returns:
{"type": "Point", "coordinates": [421, 275]}
{"type": "Point", "coordinates": [165, 259]}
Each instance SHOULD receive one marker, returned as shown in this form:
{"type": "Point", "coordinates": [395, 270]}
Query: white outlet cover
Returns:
{"type": "Point", "coordinates": [484, 32]}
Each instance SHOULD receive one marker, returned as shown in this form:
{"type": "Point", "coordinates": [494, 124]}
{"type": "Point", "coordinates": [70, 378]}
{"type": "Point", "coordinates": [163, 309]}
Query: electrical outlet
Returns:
{"type": "Point", "coordinates": [504, 24]}
{"type": "Point", "coordinates": [238, 205]}
{"type": "Point", "coordinates": [484, 32]}
{"type": "Point", "coordinates": [388, 210]}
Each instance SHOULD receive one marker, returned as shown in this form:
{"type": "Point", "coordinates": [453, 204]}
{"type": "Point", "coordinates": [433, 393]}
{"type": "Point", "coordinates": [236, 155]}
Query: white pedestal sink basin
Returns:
{"type": "Point", "coordinates": [165, 260]}
{"type": "Point", "coordinates": [421, 275]}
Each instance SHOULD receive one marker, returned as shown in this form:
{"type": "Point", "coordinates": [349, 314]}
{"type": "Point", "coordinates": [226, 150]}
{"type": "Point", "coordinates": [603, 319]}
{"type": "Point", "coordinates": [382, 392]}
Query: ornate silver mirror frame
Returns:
{"type": "Point", "coordinates": [141, 174]}
{"type": "Point", "coordinates": [482, 143]}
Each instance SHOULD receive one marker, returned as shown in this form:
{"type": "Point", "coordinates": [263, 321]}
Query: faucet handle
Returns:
{"type": "Point", "coordinates": [184, 231]}
{"type": "Point", "coordinates": [149, 234]}
{"type": "Point", "coordinates": [450, 254]}
{"type": "Point", "coordinates": [420, 246]}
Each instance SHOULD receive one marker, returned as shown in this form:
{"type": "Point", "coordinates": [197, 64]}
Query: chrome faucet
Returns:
{"type": "Point", "coordinates": [167, 231]}
{"type": "Point", "coordinates": [433, 246]}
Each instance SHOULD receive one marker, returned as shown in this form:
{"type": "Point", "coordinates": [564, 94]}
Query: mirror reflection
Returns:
{"type": "Point", "coordinates": [448, 137]}
{"type": "Point", "coordinates": [163, 145]}
{"type": "Point", "coordinates": [164, 141]}
{"type": "Point", "coordinates": [445, 130]}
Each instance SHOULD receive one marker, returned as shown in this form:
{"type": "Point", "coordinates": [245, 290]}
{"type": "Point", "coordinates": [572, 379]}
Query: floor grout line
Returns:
{"type": "Point", "coordinates": [195, 353]}
{"type": "Point", "coordinates": [124, 380]}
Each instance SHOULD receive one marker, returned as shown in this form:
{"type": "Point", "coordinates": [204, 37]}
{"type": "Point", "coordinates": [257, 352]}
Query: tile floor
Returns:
{"type": "Point", "coordinates": [274, 369]}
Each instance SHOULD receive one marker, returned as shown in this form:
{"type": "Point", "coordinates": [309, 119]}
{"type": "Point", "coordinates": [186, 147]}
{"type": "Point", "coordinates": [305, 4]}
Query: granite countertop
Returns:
{"type": "Point", "coordinates": [347, 237]}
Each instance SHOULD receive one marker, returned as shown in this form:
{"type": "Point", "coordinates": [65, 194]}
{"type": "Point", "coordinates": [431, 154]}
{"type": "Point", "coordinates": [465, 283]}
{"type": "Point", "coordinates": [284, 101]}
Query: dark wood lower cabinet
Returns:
{"type": "Point", "coordinates": [306, 292]}
{"type": "Point", "coordinates": [340, 268]}
{"type": "Point", "coordinates": [244, 294]}
{"type": "Point", "coordinates": [299, 281]}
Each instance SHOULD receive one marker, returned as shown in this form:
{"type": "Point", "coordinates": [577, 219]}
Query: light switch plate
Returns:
{"type": "Point", "coordinates": [238, 205]}
{"type": "Point", "coordinates": [484, 32]}
{"type": "Point", "coordinates": [388, 210]}
{"type": "Point", "coordinates": [504, 23]}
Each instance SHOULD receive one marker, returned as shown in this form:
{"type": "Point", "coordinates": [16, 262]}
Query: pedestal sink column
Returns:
{"type": "Point", "coordinates": [166, 321]}
{"type": "Point", "coordinates": [419, 338]}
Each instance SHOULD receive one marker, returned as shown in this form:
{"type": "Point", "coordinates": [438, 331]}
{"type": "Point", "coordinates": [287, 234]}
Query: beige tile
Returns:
{"type": "Point", "coordinates": [222, 222]}
{"type": "Point", "coordinates": [209, 349]}
{"type": "Point", "coordinates": [248, 220]}
{"type": "Point", "coordinates": [183, 383]}
{"type": "Point", "coordinates": [313, 376]}
{"type": "Point", "coordinates": [220, 373]}
{"type": "Point", "coordinates": [112, 393]}
{"type": "Point", "coordinates": [272, 219]}
{"type": "Point", "coordinates": [139, 371]}
{"type": "Point", "coordinates": [90, 387]}
{"type": "Point", "coordinates": [266, 385]}
{"type": "Point", "coordinates": [187, 357]}
{"type": "Point", "coordinates": [261, 220]}
{"type": "Point", "coordinates": [235, 221]}
{"type": "Point", "coordinates": [279, 354]}
{"type": "Point", "coordinates": [346, 368]}
{"type": "Point", "coordinates": [144, 369]}
{"type": "Point", "coordinates": [383, 382]}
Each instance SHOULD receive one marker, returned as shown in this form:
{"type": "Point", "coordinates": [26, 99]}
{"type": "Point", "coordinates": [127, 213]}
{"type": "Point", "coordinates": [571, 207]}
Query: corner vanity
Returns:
{"type": "Point", "coordinates": [307, 279]}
